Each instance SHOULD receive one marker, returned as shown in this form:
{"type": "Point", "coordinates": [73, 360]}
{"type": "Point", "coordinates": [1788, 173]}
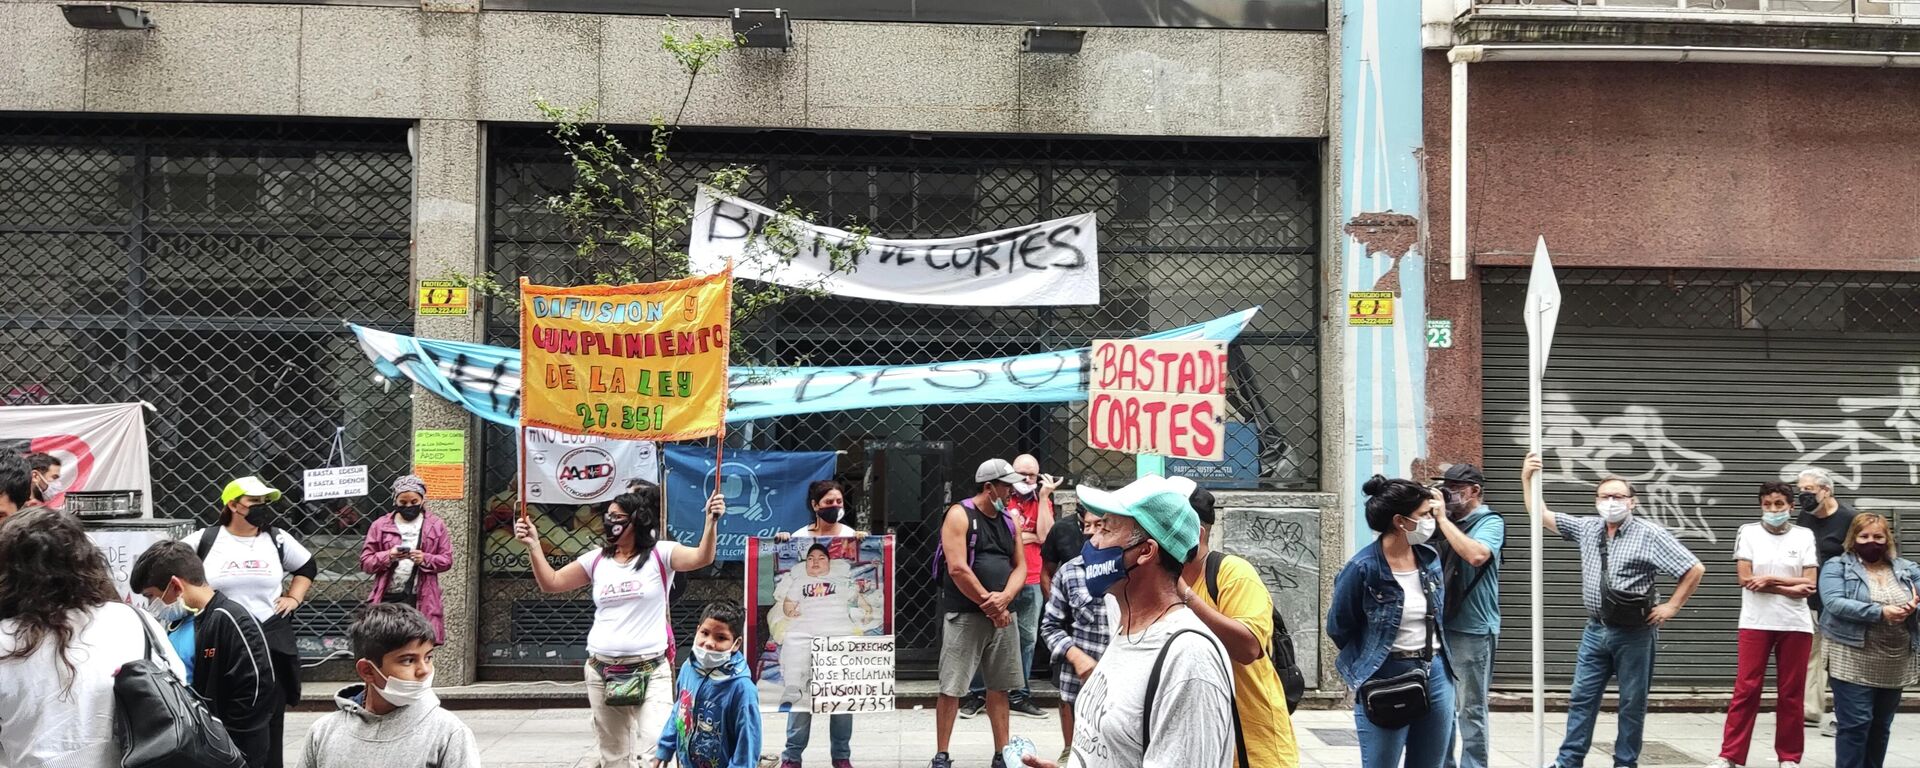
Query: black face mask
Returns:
{"type": "Point", "coordinates": [615, 529]}
{"type": "Point", "coordinates": [830, 514]}
{"type": "Point", "coordinates": [260, 515]}
{"type": "Point", "coordinates": [1807, 501]}
{"type": "Point", "coordinates": [409, 511]}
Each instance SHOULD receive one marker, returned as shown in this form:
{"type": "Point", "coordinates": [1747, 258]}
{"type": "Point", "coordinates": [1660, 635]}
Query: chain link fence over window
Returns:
{"type": "Point", "coordinates": [206, 267]}
{"type": "Point", "coordinates": [1189, 231]}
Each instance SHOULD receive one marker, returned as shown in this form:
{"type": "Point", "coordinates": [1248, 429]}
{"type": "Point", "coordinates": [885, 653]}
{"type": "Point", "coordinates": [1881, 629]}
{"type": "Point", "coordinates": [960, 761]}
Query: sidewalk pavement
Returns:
{"type": "Point", "coordinates": [562, 738]}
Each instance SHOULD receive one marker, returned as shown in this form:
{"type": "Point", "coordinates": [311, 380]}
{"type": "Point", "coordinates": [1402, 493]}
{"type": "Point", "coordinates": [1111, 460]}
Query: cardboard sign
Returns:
{"type": "Point", "coordinates": [334, 482]}
{"type": "Point", "coordinates": [634, 362]}
{"type": "Point", "coordinates": [442, 298]}
{"type": "Point", "coordinates": [583, 469]}
{"type": "Point", "coordinates": [121, 548]}
{"type": "Point", "coordinates": [440, 459]}
{"type": "Point", "coordinates": [852, 674]}
{"type": "Point", "coordinates": [1365, 308]}
{"type": "Point", "coordinates": [1158, 397]}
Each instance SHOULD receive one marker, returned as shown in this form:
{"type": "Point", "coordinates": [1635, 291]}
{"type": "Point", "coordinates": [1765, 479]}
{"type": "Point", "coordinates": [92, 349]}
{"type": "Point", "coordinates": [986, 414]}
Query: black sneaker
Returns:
{"type": "Point", "coordinates": [1026, 708]}
{"type": "Point", "coordinates": [941, 761]}
{"type": "Point", "coordinates": [999, 761]}
{"type": "Point", "coordinates": [971, 708]}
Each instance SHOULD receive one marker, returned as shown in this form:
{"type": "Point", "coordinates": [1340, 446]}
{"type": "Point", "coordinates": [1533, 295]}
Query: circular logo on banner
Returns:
{"type": "Point", "coordinates": [585, 473]}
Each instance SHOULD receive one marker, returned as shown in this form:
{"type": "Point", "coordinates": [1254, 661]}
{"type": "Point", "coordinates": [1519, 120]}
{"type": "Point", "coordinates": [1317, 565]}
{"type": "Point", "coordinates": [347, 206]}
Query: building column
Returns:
{"type": "Point", "coordinates": [448, 197]}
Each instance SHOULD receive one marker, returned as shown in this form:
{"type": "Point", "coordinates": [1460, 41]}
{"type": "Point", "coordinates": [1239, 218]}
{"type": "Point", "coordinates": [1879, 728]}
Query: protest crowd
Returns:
{"type": "Point", "coordinates": [1165, 651]}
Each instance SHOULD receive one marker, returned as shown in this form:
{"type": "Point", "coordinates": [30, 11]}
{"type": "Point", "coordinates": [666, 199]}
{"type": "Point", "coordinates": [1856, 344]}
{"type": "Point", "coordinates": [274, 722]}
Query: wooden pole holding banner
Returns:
{"type": "Point", "coordinates": [1542, 312]}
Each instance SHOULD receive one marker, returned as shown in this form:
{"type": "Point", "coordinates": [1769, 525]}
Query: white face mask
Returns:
{"type": "Point", "coordinates": [169, 613]}
{"type": "Point", "coordinates": [705, 659]}
{"type": "Point", "coordinates": [1613, 511]}
{"type": "Point", "coordinates": [1025, 488]}
{"type": "Point", "coordinates": [1422, 530]}
{"type": "Point", "coordinates": [401, 693]}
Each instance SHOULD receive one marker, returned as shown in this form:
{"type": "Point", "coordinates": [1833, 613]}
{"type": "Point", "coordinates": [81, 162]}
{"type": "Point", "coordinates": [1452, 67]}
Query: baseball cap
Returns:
{"type": "Point", "coordinates": [1158, 505]}
{"type": "Point", "coordinates": [997, 469]}
{"type": "Point", "coordinates": [248, 486]}
{"type": "Point", "coordinates": [1462, 473]}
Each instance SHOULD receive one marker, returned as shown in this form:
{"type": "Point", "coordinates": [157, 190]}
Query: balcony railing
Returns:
{"type": "Point", "coordinates": [1773, 11]}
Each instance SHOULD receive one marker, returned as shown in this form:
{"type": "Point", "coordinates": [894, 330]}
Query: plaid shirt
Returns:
{"type": "Point", "coordinates": [1073, 619]}
{"type": "Point", "coordinates": [1639, 551]}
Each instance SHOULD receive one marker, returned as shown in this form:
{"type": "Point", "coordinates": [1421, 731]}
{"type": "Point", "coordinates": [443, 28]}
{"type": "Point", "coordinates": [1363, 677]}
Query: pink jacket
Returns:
{"type": "Point", "coordinates": [435, 544]}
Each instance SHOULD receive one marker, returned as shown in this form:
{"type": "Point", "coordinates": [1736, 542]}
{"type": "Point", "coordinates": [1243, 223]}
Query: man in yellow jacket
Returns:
{"type": "Point", "coordinates": [1243, 620]}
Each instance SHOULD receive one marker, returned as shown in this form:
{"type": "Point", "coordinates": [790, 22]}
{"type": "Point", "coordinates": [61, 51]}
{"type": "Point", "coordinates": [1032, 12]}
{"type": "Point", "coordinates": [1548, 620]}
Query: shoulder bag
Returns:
{"type": "Point", "coordinates": [160, 722]}
{"type": "Point", "coordinates": [1395, 702]}
{"type": "Point", "coordinates": [1618, 607]}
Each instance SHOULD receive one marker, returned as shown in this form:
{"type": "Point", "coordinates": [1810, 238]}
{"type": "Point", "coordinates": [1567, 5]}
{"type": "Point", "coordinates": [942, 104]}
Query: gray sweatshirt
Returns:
{"type": "Point", "coordinates": [418, 736]}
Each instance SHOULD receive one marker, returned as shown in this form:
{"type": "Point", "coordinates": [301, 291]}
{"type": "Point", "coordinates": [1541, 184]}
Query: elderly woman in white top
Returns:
{"type": "Point", "coordinates": [65, 634]}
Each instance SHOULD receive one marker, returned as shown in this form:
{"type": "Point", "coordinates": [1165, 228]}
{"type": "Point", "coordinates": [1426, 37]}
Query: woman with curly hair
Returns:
{"type": "Point", "coordinates": [65, 634]}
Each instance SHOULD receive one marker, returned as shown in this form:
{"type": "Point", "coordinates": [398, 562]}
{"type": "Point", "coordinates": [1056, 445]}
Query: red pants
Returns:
{"type": "Point", "coordinates": [1790, 650]}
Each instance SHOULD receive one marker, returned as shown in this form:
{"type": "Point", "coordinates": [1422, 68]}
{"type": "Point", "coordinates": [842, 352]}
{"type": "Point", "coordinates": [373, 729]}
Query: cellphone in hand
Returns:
{"type": "Point", "coordinates": [404, 549]}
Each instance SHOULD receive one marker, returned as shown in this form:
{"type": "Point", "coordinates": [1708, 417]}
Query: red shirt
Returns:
{"type": "Point", "coordinates": [1029, 517]}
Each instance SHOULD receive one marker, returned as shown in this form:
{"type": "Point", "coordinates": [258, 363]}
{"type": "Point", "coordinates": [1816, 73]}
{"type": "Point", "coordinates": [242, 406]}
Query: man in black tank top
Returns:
{"type": "Point", "coordinates": [985, 569]}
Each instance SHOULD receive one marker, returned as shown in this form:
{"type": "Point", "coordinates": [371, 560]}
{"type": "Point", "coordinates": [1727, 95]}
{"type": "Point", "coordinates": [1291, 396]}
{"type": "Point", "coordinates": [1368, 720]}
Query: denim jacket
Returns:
{"type": "Point", "coordinates": [1365, 612]}
{"type": "Point", "coordinates": [1849, 607]}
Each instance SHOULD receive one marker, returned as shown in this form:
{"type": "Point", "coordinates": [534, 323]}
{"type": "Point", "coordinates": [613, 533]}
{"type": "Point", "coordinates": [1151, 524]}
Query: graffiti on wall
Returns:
{"type": "Point", "coordinates": [1673, 480]}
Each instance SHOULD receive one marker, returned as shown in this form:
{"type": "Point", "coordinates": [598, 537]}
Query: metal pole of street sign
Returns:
{"type": "Point", "coordinates": [1542, 312]}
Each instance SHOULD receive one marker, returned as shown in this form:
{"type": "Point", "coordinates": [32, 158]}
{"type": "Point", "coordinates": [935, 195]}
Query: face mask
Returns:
{"type": "Point", "coordinates": [410, 511]}
{"type": "Point", "coordinates": [1870, 552]}
{"type": "Point", "coordinates": [705, 659]}
{"type": "Point", "coordinates": [1613, 511]}
{"type": "Point", "coordinates": [1775, 519]}
{"type": "Point", "coordinates": [1807, 501]}
{"type": "Point", "coordinates": [830, 514]}
{"type": "Point", "coordinates": [1422, 530]}
{"type": "Point", "coordinates": [615, 529]}
{"type": "Point", "coordinates": [999, 504]}
{"type": "Point", "coordinates": [402, 693]}
{"type": "Point", "coordinates": [169, 613]}
{"type": "Point", "coordinates": [260, 515]}
{"type": "Point", "coordinates": [1025, 488]}
{"type": "Point", "coordinates": [1103, 568]}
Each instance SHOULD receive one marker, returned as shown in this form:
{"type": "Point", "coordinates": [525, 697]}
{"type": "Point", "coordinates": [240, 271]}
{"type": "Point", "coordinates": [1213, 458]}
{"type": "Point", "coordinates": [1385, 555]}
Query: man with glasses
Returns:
{"type": "Point", "coordinates": [1471, 535]}
{"type": "Point", "coordinates": [1620, 556]}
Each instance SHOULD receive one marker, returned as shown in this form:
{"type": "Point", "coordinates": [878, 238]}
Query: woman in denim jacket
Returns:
{"type": "Point", "coordinates": [1873, 636]}
{"type": "Point", "coordinates": [1379, 619]}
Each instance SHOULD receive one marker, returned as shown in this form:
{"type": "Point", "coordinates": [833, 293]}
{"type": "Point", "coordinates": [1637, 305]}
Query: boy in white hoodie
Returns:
{"type": "Point", "coordinates": [393, 718]}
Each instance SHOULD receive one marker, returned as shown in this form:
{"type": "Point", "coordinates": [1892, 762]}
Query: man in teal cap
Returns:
{"type": "Point", "coordinates": [1165, 677]}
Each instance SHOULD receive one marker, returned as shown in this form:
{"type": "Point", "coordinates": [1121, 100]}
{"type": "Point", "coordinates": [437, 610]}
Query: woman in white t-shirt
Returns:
{"type": "Point", "coordinates": [66, 634]}
{"type": "Point", "coordinates": [249, 559]}
{"type": "Point", "coordinates": [1779, 568]}
{"type": "Point", "coordinates": [632, 636]}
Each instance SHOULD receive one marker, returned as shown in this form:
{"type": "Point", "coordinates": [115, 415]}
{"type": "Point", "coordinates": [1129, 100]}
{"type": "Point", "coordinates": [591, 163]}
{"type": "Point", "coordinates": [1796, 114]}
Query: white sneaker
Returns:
{"type": "Point", "coordinates": [1830, 727]}
{"type": "Point", "coordinates": [1721, 762]}
{"type": "Point", "coordinates": [1789, 764]}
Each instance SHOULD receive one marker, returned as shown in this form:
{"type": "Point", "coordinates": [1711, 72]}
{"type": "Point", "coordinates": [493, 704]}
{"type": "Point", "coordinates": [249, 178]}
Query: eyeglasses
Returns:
{"type": "Point", "coordinates": [1613, 496]}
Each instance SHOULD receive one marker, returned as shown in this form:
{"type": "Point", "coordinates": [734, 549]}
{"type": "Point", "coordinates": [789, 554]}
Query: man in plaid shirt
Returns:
{"type": "Point", "coordinates": [1075, 628]}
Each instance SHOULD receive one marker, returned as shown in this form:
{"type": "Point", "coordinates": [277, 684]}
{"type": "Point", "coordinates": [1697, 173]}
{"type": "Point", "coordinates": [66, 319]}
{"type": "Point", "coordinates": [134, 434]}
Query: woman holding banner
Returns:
{"type": "Point", "coordinates": [816, 599]}
{"type": "Point", "coordinates": [630, 647]}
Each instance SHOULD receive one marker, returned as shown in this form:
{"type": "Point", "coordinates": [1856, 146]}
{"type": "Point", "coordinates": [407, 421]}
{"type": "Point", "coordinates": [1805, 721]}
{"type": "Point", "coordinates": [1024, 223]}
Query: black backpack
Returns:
{"type": "Point", "coordinates": [161, 723]}
{"type": "Point", "coordinates": [1457, 586]}
{"type": "Point", "coordinates": [1280, 649]}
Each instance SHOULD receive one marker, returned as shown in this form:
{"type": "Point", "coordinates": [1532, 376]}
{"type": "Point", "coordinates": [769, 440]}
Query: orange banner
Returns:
{"type": "Point", "coordinates": [637, 362]}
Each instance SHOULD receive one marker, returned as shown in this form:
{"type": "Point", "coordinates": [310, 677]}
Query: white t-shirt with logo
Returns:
{"type": "Point", "coordinates": [1193, 717]}
{"type": "Point", "coordinates": [1775, 554]}
{"type": "Point", "coordinates": [249, 569]}
{"type": "Point", "coordinates": [629, 602]}
{"type": "Point", "coordinates": [839, 529]}
{"type": "Point", "coordinates": [410, 538]}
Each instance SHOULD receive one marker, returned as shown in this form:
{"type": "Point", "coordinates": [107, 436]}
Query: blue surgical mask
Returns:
{"type": "Point", "coordinates": [711, 660]}
{"type": "Point", "coordinates": [1105, 567]}
{"type": "Point", "coordinates": [1775, 519]}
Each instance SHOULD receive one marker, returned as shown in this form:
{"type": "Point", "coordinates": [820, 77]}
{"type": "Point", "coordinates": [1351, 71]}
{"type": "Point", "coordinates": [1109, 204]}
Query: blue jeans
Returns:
{"type": "Point", "coordinates": [1472, 657]}
{"type": "Point", "coordinates": [1607, 652]}
{"type": "Point", "coordinates": [1424, 742]}
{"type": "Point", "coordinates": [1865, 717]}
{"type": "Point", "coordinates": [800, 731]}
{"type": "Point", "coordinates": [1026, 615]}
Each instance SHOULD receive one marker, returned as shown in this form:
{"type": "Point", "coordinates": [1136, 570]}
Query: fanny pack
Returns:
{"type": "Point", "coordinates": [1619, 607]}
{"type": "Point", "coordinates": [1395, 702]}
{"type": "Point", "coordinates": [626, 683]}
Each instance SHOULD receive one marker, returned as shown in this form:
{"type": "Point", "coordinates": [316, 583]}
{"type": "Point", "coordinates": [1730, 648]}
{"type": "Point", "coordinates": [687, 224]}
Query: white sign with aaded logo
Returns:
{"type": "Point", "coordinates": [583, 469]}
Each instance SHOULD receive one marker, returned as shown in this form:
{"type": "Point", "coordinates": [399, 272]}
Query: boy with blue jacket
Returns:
{"type": "Point", "coordinates": [716, 714]}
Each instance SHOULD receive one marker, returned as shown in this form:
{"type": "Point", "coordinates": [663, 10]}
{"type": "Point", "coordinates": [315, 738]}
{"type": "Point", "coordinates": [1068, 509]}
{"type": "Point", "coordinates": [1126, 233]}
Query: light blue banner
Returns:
{"type": "Point", "coordinates": [486, 380]}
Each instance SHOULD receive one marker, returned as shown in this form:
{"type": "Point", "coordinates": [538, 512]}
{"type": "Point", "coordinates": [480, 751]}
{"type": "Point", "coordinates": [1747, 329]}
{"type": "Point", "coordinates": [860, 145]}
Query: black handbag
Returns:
{"type": "Point", "coordinates": [160, 722]}
{"type": "Point", "coordinates": [1395, 702]}
{"type": "Point", "coordinates": [1619, 607]}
